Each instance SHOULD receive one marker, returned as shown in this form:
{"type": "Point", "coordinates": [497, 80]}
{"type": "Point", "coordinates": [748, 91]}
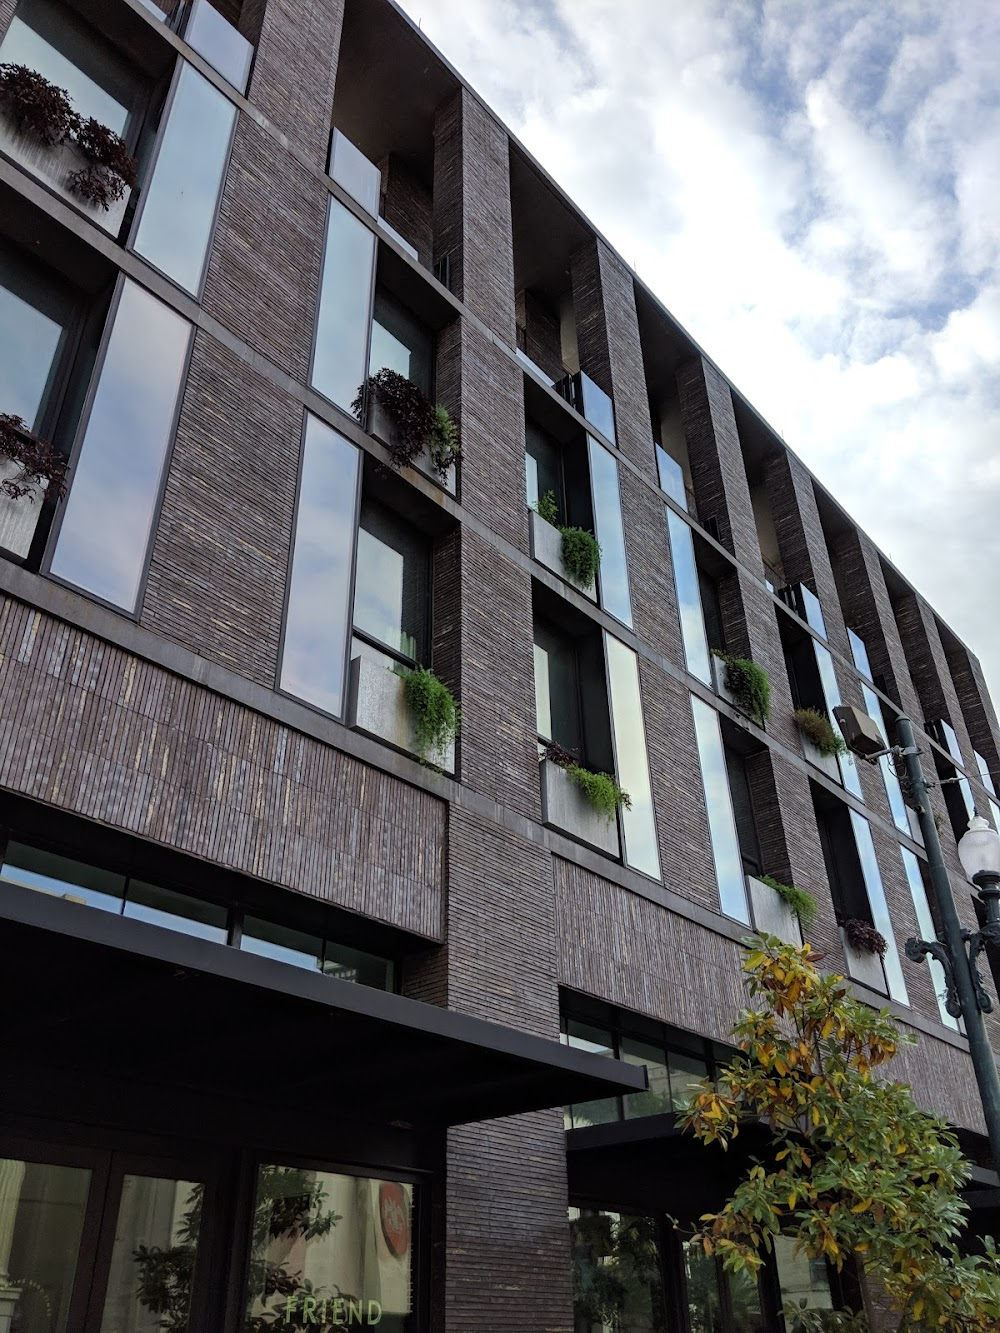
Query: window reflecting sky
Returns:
{"type": "Point", "coordinates": [689, 598]}
{"type": "Point", "coordinates": [925, 924]}
{"type": "Point", "coordinates": [613, 575]}
{"type": "Point", "coordinates": [719, 807]}
{"type": "Point", "coordinates": [831, 693]}
{"type": "Point", "coordinates": [638, 823]}
{"type": "Point", "coordinates": [30, 341]}
{"type": "Point", "coordinates": [879, 906]}
{"type": "Point", "coordinates": [340, 354]}
{"type": "Point", "coordinates": [114, 487]}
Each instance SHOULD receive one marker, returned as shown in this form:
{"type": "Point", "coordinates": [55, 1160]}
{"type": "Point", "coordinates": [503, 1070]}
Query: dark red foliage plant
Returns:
{"type": "Point", "coordinates": [36, 106]}
{"type": "Point", "coordinates": [863, 936]}
{"type": "Point", "coordinates": [111, 169]}
{"type": "Point", "coordinates": [39, 462]}
{"type": "Point", "coordinates": [407, 407]}
{"type": "Point", "coordinates": [559, 755]}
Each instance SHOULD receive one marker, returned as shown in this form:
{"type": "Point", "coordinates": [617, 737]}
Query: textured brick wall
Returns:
{"type": "Point", "coordinates": [976, 705]}
{"type": "Point", "coordinates": [928, 665]}
{"type": "Point", "coordinates": [295, 68]}
{"type": "Point", "coordinates": [542, 339]}
{"type": "Point", "coordinates": [407, 205]}
{"type": "Point", "coordinates": [607, 336]}
{"type": "Point", "coordinates": [93, 730]}
{"type": "Point", "coordinates": [7, 8]}
{"type": "Point", "coordinates": [651, 578]}
{"type": "Point", "coordinates": [227, 516]}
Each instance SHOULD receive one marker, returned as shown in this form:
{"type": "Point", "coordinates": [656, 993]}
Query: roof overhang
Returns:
{"type": "Point", "coordinates": [100, 994]}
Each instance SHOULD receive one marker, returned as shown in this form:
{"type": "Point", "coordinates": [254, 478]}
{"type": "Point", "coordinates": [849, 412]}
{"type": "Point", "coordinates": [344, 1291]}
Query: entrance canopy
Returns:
{"type": "Point", "coordinates": [92, 994]}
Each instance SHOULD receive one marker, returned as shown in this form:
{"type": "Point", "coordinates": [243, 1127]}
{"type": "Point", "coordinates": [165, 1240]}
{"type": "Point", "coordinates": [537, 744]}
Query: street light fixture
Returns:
{"type": "Point", "coordinates": [979, 851]}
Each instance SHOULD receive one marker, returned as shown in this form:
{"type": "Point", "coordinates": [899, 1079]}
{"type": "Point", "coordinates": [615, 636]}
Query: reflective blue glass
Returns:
{"type": "Point", "coordinates": [350, 168]}
{"type": "Point", "coordinates": [638, 823]}
{"type": "Point", "coordinates": [955, 750]}
{"type": "Point", "coordinates": [814, 612]}
{"type": "Point", "coordinates": [984, 773]}
{"type": "Point", "coordinates": [222, 45]}
{"type": "Point", "coordinates": [860, 654]}
{"type": "Point", "coordinates": [831, 694]}
{"type": "Point", "coordinates": [340, 354]}
{"type": "Point", "coordinates": [319, 594]}
{"type": "Point", "coordinates": [613, 574]}
{"type": "Point", "coordinates": [115, 484]}
{"type": "Point", "coordinates": [597, 407]}
{"type": "Point", "coordinates": [34, 314]}
{"type": "Point", "coordinates": [893, 790]}
{"type": "Point", "coordinates": [176, 911]}
{"type": "Point", "coordinates": [689, 606]}
{"type": "Point", "coordinates": [925, 924]}
{"type": "Point", "coordinates": [879, 906]}
{"type": "Point", "coordinates": [178, 211]}
{"type": "Point", "coordinates": [719, 807]}
{"type": "Point", "coordinates": [671, 477]}
{"type": "Point", "coordinates": [63, 878]}
{"type": "Point", "coordinates": [284, 945]}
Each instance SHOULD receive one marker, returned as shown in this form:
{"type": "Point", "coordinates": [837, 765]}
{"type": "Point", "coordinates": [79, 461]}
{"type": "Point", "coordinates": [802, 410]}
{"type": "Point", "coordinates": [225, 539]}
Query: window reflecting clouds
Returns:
{"type": "Point", "coordinates": [879, 907]}
{"type": "Point", "coordinates": [638, 823]}
{"type": "Point", "coordinates": [178, 214]}
{"type": "Point", "coordinates": [34, 314]}
{"type": "Point", "coordinates": [115, 484]}
{"type": "Point", "coordinates": [689, 598]}
{"type": "Point", "coordinates": [928, 931]}
{"type": "Point", "coordinates": [316, 626]}
{"type": "Point", "coordinates": [340, 356]}
{"type": "Point", "coordinates": [719, 807]}
{"type": "Point", "coordinates": [613, 574]}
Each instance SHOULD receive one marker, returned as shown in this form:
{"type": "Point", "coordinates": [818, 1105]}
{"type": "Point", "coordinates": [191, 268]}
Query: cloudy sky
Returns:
{"type": "Point", "coordinates": [813, 190]}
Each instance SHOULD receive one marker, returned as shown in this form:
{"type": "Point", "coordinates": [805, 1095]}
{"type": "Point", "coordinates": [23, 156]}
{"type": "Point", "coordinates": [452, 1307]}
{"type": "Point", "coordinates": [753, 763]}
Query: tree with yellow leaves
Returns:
{"type": "Point", "coordinates": [856, 1172]}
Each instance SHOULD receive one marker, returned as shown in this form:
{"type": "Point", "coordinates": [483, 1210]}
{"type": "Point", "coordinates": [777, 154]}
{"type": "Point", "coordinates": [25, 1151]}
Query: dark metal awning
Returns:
{"type": "Point", "coordinates": [96, 994]}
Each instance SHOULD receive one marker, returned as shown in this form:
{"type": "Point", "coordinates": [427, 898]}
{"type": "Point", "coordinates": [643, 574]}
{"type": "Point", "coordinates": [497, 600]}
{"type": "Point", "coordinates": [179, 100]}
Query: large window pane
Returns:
{"type": "Point", "coordinates": [48, 37]}
{"type": "Point", "coordinates": [400, 343]}
{"type": "Point", "coordinates": [351, 169]}
{"type": "Point", "coordinates": [804, 1282]}
{"type": "Point", "coordinates": [282, 943]}
{"type": "Point", "coordinates": [596, 1041]}
{"type": "Point", "coordinates": [178, 213]}
{"type": "Point", "coordinates": [689, 598]}
{"type": "Point", "coordinates": [222, 45]}
{"type": "Point", "coordinates": [340, 356]}
{"type": "Point", "coordinates": [175, 911]}
{"type": "Point", "coordinates": [928, 931]}
{"type": "Point", "coordinates": [366, 969]}
{"type": "Point", "coordinates": [391, 582]}
{"type": "Point", "coordinates": [671, 477]}
{"type": "Point", "coordinates": [597, 407]}
{"type": "Point", "coordinates": [710, 1289]}
{"type": "Point", "coordinates": [153, 1261]}
{"type": "Point", "coordinates": [613, 576]}
{"type": "Point", "coordinates": [617, 1278]}
{"type": "Point", "coordinates": [316, 626]}
{"type": "Point", "coordinates": [686, 1074]}
{"type": "Point", "coordinates": [34, 313]}
{"type": "Point", "coordinates": [656, 1098]}
{"type": "Point", "coordinates": [115, 484]}
{"type": "Point", "coordinates": [58, 875]}
{"type": "Point", "coordinates": [719, 807]}
{"type": "Point", "coordinates": [330, 1250]}
{"type": "Point", "coordinates": [41, 1222]}
{"type": "Point", "coordinates": [542, 468]}
{"type": "Point", "coordinates": [879, 907]}
{"type": "Point", "coordinates": [639, 822]}
{"type": "Point", "coordinates": [831, 693]}
{"type": "Point", "coordinates": [557, 696]}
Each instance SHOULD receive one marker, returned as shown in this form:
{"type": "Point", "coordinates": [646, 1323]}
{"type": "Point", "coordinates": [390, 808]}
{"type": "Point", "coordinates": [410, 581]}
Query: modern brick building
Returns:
{"type": "Point", "coordinates": [298, 1031]}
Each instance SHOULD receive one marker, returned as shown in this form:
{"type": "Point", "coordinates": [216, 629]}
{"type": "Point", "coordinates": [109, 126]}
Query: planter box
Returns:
{"type": "Point", "coordinates": [719, 670]}
{"type": "Point", "coordinates": [864, 967]}
{"type": "Point", "coordinates": [382, 428]}
{"type": "Point", "coordinates": [546, 548]}
{"type": "Point", "coordinates": [771, 914]}
{"type": "Point", "coordinates": [566, 808]}
{"type": "Point", "coordinates": [53, 166]}
{"type": "Point", "coordinates": [377, 706]}
{"type": "Point", "coordinates": [827, 763]}
{"type": "Point", "coordinates": [18, 518]}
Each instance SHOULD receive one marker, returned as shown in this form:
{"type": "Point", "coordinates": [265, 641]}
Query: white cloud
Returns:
{"type": "Point", "coordinates": [813, 191]}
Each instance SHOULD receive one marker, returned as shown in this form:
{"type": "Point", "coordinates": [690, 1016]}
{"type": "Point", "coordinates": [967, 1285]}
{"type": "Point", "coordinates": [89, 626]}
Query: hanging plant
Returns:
{"type": "Point", "coordinates": [111, 169]}
{"type": "Point", "coordinates": [601, 790]}
{"type": "Point", "coordinates": [40, 464]}
{"type": "Point", "coordinates": [862, 936]}
{"type": "Point", "coordinates": [581, 555]}
{"type": "Point", "coordinates": [436, 715]}
{"type": "Point", "coordinates": [801, 901]}
{"type": "Point", "coordinates": [416, 423]}
{"type": "Point", "coordinates": [749, 685]}
{"type": "Point", "coordinates": [818, 729]}
{"type": "Point", "coordinates": [444, 443]}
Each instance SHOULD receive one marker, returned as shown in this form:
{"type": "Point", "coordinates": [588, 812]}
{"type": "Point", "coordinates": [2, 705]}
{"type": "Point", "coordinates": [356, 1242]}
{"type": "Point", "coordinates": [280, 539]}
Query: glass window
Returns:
{"type": "Point", "coordinates": [340, 354]}
{"type": "Point", "coordinates": [115, 485]}
{"type": "Point", "coordinates": [966, 801]}
{"type": "Point", "coordinates": [154, 1255]}
{"type": "Point", "coordinates": [814, 612]}
{"type": "Point", "coordinates": [400, 342]}
{"type": "Point", "coordinates": [879, 907]}
{"type": "Point", "coordinates": [656, 1099]}
{"type": "Point", "coordinates": [597, 407]}
{"type": "Point", "coordinates": [613, 575]}
{"type": "Point", "coordinates": [719, 1300]}
{"type": "Point", "coordinates": [860, 654]}
{"type": "Point", "coordinates": [330, 1251]}
{"type": "Point", "coordinates": [686, 1075]}
{"type": "Point", "coordinates": [639, 822]}
{"type": "Point", "coordinates": [671, 476]}
{"type": "Point", "coordinates": [316, 623]}
{"type": "Point", "coordinates": [178, 211]}
{"type": "Point", "coordinates": [804, 1282]}
{"type": "Point", "coordinates": [890, 779]}
{"type": "Point", "coordinates": [557, 696]}
{"type": "Point", "coordinates": [58, 875]}
{"type": "Point", "coordinates": [542, 468]}
{"type": "Point", "coordinates": [831, 693]}
{"type": "Point", "coordinates": [34, 314]}
{"type": "Point", "coordinates": [719, 808]}
{"type": "Point", "coordinates": [175, 911]}
{"type": "Point", "coordinates": [617, 1278]}
{"type": "Point", "coordinates": [49, 38]}
{"type": "Point", "coordinates": [222, 45]}
{"type": "Point", "coordinates": [282, 944]}
{"type": "Point", "coordinates": [391, 582]}
{"type": "Point", "coordinates": [984, 773]}
{"type": "Point", "coordinates": [597, 1041]}
{"type": "Point", "coordinates": [928, 931]}
{"type": "Point", "coordinates": [354, 965]}
{"type": "Point", "coordinates": [689, 606]}
{"type": "Point", "coordinates": [42, 1211]}
{"type": "Point", "coordinates": [350, 168]}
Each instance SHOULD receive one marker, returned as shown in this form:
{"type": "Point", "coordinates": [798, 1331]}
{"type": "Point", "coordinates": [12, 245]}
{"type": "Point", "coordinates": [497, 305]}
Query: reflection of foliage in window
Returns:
{"type": "Point", "coordinates": [705, 1280]}
{"type": "Point", "coordinates": [616, 1272]}
{"type": "Point", "coordinates": [166, 1275]}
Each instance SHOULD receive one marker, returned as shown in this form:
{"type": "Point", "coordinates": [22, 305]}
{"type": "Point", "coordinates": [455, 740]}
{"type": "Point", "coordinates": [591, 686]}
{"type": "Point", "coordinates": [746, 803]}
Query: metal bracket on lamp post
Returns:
{"type": "Point", "coordinates": [918, 950]}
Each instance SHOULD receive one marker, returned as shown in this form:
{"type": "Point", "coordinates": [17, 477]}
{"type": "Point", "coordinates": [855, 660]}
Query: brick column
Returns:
{"type": "Point", "coordinates": [407, 205]}
{"type": "Point", "coordinates": [929, 668]}
{"type": "Point", "coordinates": [295, 69]}
{"type": "Point", "coordinates": [7, 8]}
{"type": "Point", "coordinates": [607, 336]}
{"type": "Point", "coordinates": [976, 705]}
{"type": "Point", "coordinates": [472, 209]}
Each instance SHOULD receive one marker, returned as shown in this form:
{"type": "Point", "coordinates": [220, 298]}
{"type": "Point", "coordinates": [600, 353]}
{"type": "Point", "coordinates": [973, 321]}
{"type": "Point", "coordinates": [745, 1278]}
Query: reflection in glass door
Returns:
{"type": "Point", "coordinates": [42, 1211]}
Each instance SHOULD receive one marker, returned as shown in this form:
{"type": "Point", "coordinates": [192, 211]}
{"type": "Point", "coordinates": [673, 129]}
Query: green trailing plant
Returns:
{"type": "Point", "coordinates": [601, 789]}
{"type": "Point", "coordinates": [749, 685]}
{"type": "Point", "coordinates": [801, 901]}
{"type": "Point", "coordinates": [820, 731]}
{"type": "Point", "coordinates": [436, 715]}
{"type": "Point", "coordinates": [444, 443]}
{"type": "Point", "coordinates": [862, 936]}
{"type": "Point", "coordinates": [39, 463]}
{"type": "Point", "coordinates": [581, 555]}
{"type": "Point", "coordinates": [546, 508]}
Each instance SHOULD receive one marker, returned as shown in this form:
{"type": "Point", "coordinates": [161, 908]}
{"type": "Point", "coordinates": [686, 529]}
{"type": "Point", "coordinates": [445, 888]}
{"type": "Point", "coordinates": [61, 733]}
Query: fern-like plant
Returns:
{"type": "Point", "coordinates": [801, 901]}
{"type": "Point", "coordinates": [581, 555]}
{"type": "Point", "coordinates": [820, 731]}
{"type": "Point", "coordinates": [749, 685]}
{"type": "Point", "coordinates": [443, 443]}
{"type": "Point", "coordinates": [600, 789]}
{"type": "Point", "coordinates": [436, 715]}
{"type": "Point", "coordinates": [547, 508]}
